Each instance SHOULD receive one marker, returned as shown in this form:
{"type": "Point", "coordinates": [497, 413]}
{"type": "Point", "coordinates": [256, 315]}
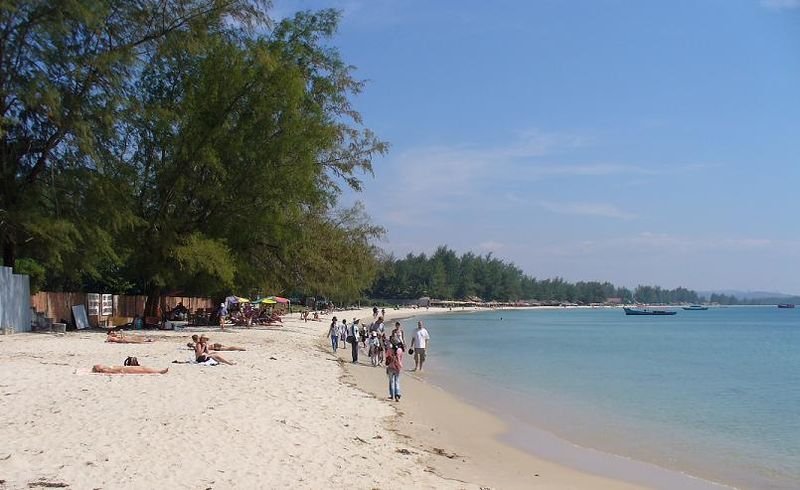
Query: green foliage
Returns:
{"type": "Point", "coordinates": [34, 270]}
{"type": "Point", "coordinates": [67, 70]}
{"type": "Point", "coordinates": [233, 140]}
{"type": "Point", "coordinates": [197, 254]}
{"type": "Point", "coordinates": [654, 294]}
{"type": "Point", "coordinates": [444, 275]}
{"type": "Point", "coordinates": [181, 144]}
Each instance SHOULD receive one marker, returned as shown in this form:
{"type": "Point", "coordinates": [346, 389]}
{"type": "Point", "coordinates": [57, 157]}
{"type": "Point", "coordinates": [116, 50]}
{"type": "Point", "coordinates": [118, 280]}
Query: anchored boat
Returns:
{"type": "Point", "coordinates": [647, 311]}
{"type": "Point", "coordinates": [695, 308]}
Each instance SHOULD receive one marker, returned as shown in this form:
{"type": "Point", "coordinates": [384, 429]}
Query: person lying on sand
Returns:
{"type": "Point", "coordinates": [99, 368]}
{"type": "Point", "coordinates": [216, 346]}
{"type": "Point", "coordinates": [202, 354]}
{"type": "Point", "coordinates": [120, 338]}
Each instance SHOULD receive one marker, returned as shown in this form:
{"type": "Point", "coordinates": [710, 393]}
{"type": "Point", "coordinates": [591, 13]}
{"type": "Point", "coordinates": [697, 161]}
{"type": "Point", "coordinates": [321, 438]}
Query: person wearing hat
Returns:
{"type": "Point", "coordinates": [374, 344]}
{"type": "Point", "coordinates": [333, 333]}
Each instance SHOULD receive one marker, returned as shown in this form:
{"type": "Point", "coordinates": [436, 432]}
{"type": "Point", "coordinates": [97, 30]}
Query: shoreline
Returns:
{"type": "Point", "coordinates": [524, 443]}
{"type": "Point", "coordinates": [434, 421]}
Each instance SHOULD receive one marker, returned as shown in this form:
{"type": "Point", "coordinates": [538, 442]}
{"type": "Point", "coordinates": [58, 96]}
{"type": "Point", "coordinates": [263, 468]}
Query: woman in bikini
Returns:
{"type": "Point", "coordinates": [120, 338]}
{"type": "Point", "coordinates": [216, 346]}
{"type": "Point", "coordinates": [202, 354]}
{"type": "Point", "coordinates": [99, 368]}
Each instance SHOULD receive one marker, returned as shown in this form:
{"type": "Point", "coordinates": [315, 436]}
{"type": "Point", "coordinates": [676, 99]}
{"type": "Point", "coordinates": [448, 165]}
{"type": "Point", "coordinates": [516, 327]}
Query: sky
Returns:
{"type": "Point", "coordinates": [621, 140]}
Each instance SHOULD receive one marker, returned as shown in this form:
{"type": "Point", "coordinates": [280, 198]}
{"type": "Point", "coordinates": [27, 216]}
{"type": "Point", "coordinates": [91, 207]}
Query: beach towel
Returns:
{"type": "Point", "coordinates": [207, 362]}
{"type": "Point", "coordinates": [192, 360]}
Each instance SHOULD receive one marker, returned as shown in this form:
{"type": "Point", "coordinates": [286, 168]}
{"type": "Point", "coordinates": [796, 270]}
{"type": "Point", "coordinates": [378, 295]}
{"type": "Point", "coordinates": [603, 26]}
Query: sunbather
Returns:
{"type": "Point", "coordinates": [202, 354]}
{"type": "Point", "coordinates": [216, 346]}
{"type": "Point", "coordinates": [99, 368]}
{"type": "Point", "coordinates": [268, 317]}
{"type": "Point", "coordinates": [120, 338]}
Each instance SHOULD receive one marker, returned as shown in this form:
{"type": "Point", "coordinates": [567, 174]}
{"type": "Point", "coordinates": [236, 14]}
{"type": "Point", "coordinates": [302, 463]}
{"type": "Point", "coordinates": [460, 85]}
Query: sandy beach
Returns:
{"type": "Point", "coordinates": [288, 415]}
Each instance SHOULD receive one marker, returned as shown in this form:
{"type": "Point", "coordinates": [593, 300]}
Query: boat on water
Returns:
{"type": "Point", "coordinates": [695, 308]}
{"type": "Point", "coordinates": [647, 311]}
{"type": "Point", "coordinates": [786, 305]}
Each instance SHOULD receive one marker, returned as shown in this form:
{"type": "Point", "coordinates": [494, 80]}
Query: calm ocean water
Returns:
{"type": "Point", "coordinates": [714, 394]}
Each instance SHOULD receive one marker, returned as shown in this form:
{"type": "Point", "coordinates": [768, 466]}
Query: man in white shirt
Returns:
{"type": "Point", "coordinates": [419, 344]}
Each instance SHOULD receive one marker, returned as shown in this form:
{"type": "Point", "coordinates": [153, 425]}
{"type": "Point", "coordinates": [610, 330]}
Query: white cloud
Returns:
{"type": "Point", "coordinates": [456, 170]}
{"type": "Point", "coordinates": [604, 210]}
{"type": "Point", "coordinates": [665, 243]}
{"type": "Point", "coordinates": [436, 184]}
{"type": "Point", "coordinates": [781, 4]}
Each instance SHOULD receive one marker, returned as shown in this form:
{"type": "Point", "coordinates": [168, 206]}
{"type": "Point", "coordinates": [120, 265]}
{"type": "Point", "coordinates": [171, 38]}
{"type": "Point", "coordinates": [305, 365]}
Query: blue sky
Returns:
{"type": "Point", "coordinates": [623, 140]}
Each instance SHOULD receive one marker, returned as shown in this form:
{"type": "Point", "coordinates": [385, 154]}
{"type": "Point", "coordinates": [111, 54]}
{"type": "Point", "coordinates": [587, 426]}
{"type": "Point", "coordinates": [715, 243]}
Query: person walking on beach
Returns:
{"type": "Point", "coordinates": [223, 312]}
{"type": "Point", "coordinates": [397, 336]}
{"type": "Point", "coordinates": [352, 337]}
{"type": "Point", "coordinates": [419, 345]}
{"type": "Point", "coordinates": [333, 333]}
{"type": "Point", "coordinates": [362, 333]}
{"type": "Point", "coordinates": [343, 333]}
{"type": "Point", "coordinates": [394, 365]}
{"type": "Point", "coordinates": [374, 348]}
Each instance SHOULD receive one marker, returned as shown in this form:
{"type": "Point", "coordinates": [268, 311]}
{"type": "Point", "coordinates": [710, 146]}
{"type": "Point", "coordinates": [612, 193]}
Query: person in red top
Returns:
{"type": "Point", "coordinates": [394, 365]}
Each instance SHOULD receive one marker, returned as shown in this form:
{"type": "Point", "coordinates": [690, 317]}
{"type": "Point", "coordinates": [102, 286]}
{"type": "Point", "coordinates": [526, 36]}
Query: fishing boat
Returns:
{"type": "Point", "coordinates": [647, 311]}
{"type": "Point", "coordinates": [786, 305]}
{"type": "Point", "coordinates": [695, 308]}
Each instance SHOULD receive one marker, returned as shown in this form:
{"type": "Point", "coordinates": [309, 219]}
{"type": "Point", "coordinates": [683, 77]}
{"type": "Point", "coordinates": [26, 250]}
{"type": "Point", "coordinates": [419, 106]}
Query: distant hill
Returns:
{"type": "Point", "coordinates": [746, 295]}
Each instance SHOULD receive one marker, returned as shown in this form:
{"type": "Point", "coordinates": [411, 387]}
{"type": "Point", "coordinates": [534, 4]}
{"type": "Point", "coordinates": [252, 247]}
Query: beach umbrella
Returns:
{"type": "Point", "coordinates": [267, 301]}
{"type": "Point", "coordinates": [278, 299]}
{"type": "Point", "coordinates": [242, 300]}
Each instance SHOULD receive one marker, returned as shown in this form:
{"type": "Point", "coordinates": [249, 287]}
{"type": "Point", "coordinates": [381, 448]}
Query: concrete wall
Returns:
{"type": "Point", "coordinates": [15, 301]}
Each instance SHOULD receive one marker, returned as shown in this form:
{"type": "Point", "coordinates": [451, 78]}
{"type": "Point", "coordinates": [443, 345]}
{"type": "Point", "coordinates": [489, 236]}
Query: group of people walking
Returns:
{"type": "Point", "coordinates": [383, 348]}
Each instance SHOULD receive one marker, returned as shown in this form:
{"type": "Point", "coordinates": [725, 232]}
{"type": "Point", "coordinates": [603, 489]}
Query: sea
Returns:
{"type": "Point", "coordinates": [702, 399]}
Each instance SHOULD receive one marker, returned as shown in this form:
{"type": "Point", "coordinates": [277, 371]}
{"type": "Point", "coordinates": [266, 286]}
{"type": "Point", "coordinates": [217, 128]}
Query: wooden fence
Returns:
{"type": "Point", "coordinates": [58, 306]}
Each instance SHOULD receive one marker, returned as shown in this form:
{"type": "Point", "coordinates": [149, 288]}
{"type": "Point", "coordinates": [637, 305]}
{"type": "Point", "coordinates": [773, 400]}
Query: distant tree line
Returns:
{"type": "Point", "coordinates": [726, 299]}
{"type": "Point", "coordinates": [445, 275]}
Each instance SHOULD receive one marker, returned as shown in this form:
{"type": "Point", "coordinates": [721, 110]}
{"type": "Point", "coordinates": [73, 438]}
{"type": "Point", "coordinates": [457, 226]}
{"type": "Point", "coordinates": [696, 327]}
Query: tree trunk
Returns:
{"type": "Point", "coordinates": [9, 253]}
{"type": "Point", "coordinates": [152, 305]}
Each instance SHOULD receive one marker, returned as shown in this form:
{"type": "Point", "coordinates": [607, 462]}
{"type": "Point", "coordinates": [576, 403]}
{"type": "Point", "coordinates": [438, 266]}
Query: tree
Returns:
{"type": "Point", "coordinates": [240, 147]}
{"type": "Point", "coordinates": [66, 70]}
{"type": "Point", "coordinates": [446, 276]}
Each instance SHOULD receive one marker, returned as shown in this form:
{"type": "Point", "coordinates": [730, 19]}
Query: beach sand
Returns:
{"type": "Point", "coordinates": [288, 415]}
